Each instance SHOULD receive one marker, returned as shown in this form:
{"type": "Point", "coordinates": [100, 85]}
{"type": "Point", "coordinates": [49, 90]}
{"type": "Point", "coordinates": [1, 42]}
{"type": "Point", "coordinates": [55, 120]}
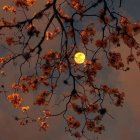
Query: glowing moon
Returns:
{"type": "Point", "coordinates": [79, 57]}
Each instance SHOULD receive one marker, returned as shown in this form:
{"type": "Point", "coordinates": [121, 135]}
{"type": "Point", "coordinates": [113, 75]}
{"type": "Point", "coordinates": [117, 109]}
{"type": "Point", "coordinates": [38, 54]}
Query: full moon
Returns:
{"type": "Point", "coordinates": [79, 57]}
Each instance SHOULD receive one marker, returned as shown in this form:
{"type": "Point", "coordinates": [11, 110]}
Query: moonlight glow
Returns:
{"type": "Point", "coordinates": [79, 57]}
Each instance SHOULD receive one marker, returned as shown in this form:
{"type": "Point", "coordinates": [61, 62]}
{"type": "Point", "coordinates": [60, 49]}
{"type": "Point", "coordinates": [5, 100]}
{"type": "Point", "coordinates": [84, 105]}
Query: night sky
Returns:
{"type": "Point", "coordinates": [125, 126]}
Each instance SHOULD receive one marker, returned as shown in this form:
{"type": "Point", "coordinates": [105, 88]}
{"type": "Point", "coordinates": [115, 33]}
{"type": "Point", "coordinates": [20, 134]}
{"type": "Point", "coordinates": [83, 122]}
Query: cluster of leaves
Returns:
{"type": "Point", "coordinates": [75, 32]}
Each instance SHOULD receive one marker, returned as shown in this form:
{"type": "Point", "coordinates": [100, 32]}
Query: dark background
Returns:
{"type": "Point", "coordinates": [125, 126]}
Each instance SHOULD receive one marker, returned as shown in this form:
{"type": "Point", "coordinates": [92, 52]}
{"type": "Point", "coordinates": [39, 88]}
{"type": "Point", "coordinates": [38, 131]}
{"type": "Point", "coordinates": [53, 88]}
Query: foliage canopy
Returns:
{"type": "Point", "coordinates": [44, 41]}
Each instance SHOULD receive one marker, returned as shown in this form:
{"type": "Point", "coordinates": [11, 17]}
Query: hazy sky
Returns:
{"type": "Point", "coordinates": [126, 125]}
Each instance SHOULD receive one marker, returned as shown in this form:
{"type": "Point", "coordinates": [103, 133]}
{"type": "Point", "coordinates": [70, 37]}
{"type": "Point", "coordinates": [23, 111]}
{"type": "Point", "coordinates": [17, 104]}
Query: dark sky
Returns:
{"type": "Point", "coordinates": [125, 126]}
{"type": "Point", "coordinates": [132, 8]}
